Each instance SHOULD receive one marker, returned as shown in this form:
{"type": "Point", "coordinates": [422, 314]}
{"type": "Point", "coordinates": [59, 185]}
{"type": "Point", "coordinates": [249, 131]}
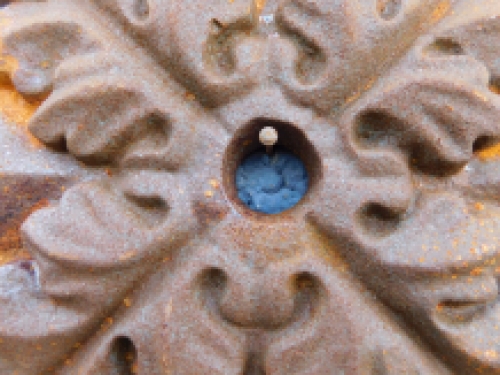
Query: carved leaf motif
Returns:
{"type": "Point", "coordinates": [430, 110]}
{"type": "Point", "coordinates": [89, 253]}
{"type": "Point", "coordinates": [312, 346]}
{"type": "Point", "coordinates": [219, 64]}
{"type": "Point", "coordinates": [35, 75]}
{"type": "Point", "coordinates": [342, 47]}
{"type": "Point", "coordinates": [85, 70]}
{"type": "Point", "coordinates": [438, 117]}
{"type": "Point", "coordinates": [475, 32]}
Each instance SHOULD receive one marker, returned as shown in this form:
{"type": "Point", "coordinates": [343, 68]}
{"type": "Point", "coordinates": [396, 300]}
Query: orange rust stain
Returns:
{"type": "Point", "coordinates": [13, 255]}
{"type": "Point", "coordinates": [10, 239]}
{"type": "Point", "coordinates": [489, 153]}
{"type": "Point", "coordinates": [480, 96]}
{"type": "Point", "coordinates": [478, 271]}
{"type": "Point", "coordinates": [208, 213]}
{"type": "Point", "coordinates": [128, 255]}
{"type": "Point", "coordinates": [492, 354]}
{"type": "Point", "coordinates": [479, 206]}
{"type": "Point", "coordinates": [440, 308]}
{"type": "Point", "coordinates": [259, 5]}
{"type": "Point", "coordinates": [8, 65]}
{"type": "Point", "coordinates": [495, 89]}
{"type": "Point", "coordinates": [440, 11]}
{"type": "Point", "coordinates": [214, 183]}
{"type": "Point", "coordinates": [190, 96]}
{"type": "Point", "coordinates": [14, 107]}
{"type": "Point", "coordinates": [353, 97]}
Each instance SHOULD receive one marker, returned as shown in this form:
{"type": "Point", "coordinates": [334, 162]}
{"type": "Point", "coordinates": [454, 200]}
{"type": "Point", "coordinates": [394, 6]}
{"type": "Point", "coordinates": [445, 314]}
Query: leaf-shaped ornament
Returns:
{"type": "Point", "coordinates": [338, 49]}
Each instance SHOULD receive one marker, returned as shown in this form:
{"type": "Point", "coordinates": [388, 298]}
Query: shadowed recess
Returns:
{"type": "Point", "coordinates": [123, 357]}
{"type": "Point", "coordinates": [141, 9]}
{"type": "Point", "coordinates": [254, 365]}
{"type": "Point", "coordinates": [311, 60]}
{"type": "Point", "coordinates": [461, 311]}
{"type": "Point", "coordinates": [213, 282]}
{"type": "Point", "coordinates": [444, 46]}
{"type": "Point", "coordinates": [376, 129]}
{"type": "Point", "coordinates": [495, 85]}
{"type": "Point", "coordinates": [388, 9]}
{"type": "Point", "coordinates": [486, 147]}
{"type": "Point", "coordinates": [377, 220]}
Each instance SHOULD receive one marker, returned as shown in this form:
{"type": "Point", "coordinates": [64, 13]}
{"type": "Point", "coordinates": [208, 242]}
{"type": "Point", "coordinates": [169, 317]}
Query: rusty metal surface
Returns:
{"type": "Point", "coordinates": [124, 248]}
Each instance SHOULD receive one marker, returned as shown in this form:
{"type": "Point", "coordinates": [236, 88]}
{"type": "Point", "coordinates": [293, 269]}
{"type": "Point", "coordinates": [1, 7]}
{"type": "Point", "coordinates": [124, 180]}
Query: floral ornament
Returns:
{"type": "Point", "coordinates": [387, 266]}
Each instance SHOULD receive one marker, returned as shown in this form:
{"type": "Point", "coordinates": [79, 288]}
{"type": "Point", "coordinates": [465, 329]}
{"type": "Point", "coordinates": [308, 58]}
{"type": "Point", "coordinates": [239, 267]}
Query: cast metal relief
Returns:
{"type": "Point", "coordinates": [150, 264]}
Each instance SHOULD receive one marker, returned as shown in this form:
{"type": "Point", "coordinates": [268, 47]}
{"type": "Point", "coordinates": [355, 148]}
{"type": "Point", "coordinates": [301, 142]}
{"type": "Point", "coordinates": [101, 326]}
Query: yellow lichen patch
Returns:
{"type": "Point", "coordinates": [489, 153]}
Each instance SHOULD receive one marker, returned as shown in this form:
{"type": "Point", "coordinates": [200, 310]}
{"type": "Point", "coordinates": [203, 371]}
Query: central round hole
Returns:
{"type": "Point", "coordinates": [269, 167]}
{"type": "Point", "coordinates": [271, 181]}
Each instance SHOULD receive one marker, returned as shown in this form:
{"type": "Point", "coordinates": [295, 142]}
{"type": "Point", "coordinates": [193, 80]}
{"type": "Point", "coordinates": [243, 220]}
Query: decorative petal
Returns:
{"type": "Point", "coordinates": [79, 278]}
{"type": "Point", "coordinates": [372, 196]}
{"type": "Point", "coordinates": [433, 116]}
{"type": "Point", "coordinates": [436, 266]}
{"type": "Point", "coordinates": [456, 312]}
{"type": "Point", "coordinates": [365, 342]}
{"type": "Point", "coordinates": [36, 51]}
{"type": "Point", "coordinates": [333, 41]}
{"type": "Point", "coordinates": [202, 48]}
{"type": "Point", "coordinates": [474, 32]}
{"type": "Point", "coordinates": [131, 97]}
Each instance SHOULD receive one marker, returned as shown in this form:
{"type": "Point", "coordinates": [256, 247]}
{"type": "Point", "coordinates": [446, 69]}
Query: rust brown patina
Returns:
{"type": "Point", "coordinates": [124, 248]}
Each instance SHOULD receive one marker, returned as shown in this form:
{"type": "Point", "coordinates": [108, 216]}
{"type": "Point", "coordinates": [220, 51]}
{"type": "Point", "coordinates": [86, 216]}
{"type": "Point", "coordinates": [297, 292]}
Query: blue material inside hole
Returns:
{"type": "Point", "coordinates": [271, 184]}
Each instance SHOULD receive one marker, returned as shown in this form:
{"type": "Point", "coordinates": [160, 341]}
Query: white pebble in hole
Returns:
{"type": "Point", "coordinates": [268, 136]}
